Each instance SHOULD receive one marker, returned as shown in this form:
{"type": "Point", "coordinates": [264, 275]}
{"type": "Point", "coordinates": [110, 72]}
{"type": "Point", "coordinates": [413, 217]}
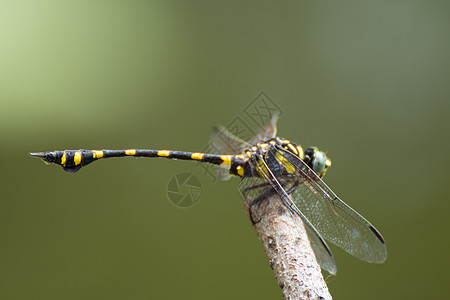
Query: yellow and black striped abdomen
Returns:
{"type": "Point", "coordinates": [73, 160]}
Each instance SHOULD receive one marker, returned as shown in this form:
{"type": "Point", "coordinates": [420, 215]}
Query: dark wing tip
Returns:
{"type": "Point", "coordinates": [377, 234]}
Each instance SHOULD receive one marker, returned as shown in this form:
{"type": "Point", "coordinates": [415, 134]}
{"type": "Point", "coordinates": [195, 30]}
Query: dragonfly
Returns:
{"type": "Point", "coordinates": [269, 165]}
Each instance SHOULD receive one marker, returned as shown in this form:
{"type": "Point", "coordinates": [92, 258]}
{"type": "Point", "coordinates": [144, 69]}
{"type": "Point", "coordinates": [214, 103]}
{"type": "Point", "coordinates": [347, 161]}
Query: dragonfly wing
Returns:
{"type": "Point", "coordinates": [224, 142]}
{"type": "Point", "coordinates": [267, 132]}
{"type": "Point", "coordinates": [337, 222]}
{"type": "Point", "coordinates": [323, 253]}
{"type": "Point", "coordinates": [255, 189]}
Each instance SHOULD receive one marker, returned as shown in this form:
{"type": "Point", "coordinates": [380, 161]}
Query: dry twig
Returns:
{"type": "Point", "coordinates": [289, 251]}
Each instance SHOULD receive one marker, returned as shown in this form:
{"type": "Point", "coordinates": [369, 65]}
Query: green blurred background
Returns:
{"type": "Point", "coordinates": [367, 81]}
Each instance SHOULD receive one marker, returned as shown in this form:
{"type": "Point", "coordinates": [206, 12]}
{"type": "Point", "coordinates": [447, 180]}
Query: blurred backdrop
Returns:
{"type": "Point", "coordinates": [366, 81]}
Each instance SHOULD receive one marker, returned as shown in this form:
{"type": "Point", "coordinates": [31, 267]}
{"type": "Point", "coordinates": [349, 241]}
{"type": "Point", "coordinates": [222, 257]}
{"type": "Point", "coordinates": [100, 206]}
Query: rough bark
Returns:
{"type": "Point", "coordinates": [290, 254]}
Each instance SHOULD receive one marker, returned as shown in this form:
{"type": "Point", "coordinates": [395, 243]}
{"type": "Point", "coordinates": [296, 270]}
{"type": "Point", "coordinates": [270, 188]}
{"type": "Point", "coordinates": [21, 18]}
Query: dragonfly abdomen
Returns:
{"type": "Point", "coordinates": [73, 160]}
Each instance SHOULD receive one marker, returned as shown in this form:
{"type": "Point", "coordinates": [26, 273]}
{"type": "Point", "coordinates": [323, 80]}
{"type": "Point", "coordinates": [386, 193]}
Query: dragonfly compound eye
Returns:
{"type": "Point", "coordinates": [319, 162]}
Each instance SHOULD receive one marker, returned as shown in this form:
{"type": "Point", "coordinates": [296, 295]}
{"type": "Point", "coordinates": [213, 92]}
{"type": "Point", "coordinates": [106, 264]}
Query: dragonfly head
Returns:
{"type": "Point", "coordinates": [317, 160]}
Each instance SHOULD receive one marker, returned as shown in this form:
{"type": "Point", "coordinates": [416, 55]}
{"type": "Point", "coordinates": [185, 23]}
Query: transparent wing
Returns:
{"type": "Point", "coordinates": [224, 142]}
{"type": "Point", "coordinates": [337, 222]}
{"type": "Point", "coordinates": [267, 132]}
{"type": "Point", "coordinates": [255, 190]}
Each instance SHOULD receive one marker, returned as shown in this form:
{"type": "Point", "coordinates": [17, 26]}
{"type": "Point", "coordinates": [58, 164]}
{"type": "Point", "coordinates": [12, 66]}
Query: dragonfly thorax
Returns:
{"type": "Point", "coordinates": [263, 147]}
{"type": "Point", "coordinates": [315, 159]}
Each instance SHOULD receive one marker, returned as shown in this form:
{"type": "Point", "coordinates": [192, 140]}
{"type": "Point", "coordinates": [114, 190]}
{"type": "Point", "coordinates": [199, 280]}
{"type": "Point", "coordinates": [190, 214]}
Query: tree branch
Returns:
{"type": "Point", "coordinates": [287, 246]}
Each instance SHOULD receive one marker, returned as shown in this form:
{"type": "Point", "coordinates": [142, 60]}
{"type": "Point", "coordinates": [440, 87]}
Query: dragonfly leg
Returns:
{"type": "Point", "coordinates": [257, 201]}
{"type": "Point", "coordinates": [264, 196]}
